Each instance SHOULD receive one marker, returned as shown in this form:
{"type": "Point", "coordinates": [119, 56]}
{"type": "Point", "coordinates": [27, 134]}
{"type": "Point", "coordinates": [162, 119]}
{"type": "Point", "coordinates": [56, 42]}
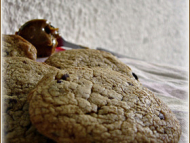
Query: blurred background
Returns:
{"type": "Point", "coordinates": [155, 31]}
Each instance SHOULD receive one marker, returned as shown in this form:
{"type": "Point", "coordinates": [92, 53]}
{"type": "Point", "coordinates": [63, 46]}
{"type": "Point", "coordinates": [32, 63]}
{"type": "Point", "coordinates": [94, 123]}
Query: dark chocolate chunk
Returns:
{"type": "Point", "coordinates": [161, 116]}
{"type": "Point", "coordinates": [130, 83]}
{"type": "Point", "coordinates": [65, 76]}
{"type": "Point", "coordinates": [59, 81]}
{"type": "Point", "coordinates": [135, 76]}
{"type": "Point", "coordinates": [7, 53]}
{"type": "Point", "coordinates": [110, 98]}
{"type": "Point", "coordinates": [24, 62]}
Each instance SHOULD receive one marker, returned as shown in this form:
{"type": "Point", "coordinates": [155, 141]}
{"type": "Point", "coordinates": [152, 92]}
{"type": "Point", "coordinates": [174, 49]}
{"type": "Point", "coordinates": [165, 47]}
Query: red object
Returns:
{"type": "Point", "coordinates": [60, 41]}
{"type": "Point", "coordinates": [59, 49]}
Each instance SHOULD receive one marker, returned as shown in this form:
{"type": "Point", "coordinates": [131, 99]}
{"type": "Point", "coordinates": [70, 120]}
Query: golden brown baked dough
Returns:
{"type": "Point", "coordinates": [89, 58]}
{"type": "Point", "coordinates": [83, 105]}
{"type": "Point", "coordinates": [20, 76]}
{"type": "Point", "coordinates": [16, 46]}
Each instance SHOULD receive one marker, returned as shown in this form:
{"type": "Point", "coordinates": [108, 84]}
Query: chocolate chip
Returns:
{"type": "Point", "coordinates": [110, 98]}
{"type": "Point", "coordinates": [161, 116]}
{"type": "Point", "coordinates": [135, 76]}
{"type": "Point", "coordinates": [130, 84]}
{"type": "Point", "coordinates": [24, 62]}
{"type": "Point", "coordinates": [59, 81]}
{"type": "Point", "coordinates": [65, 76]}
{"type": "Point", "coordinates": [7, 53]}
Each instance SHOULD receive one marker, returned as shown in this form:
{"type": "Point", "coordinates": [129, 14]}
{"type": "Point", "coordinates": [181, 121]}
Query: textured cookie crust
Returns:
{"type": "Point", "coordinates": [20, 76]}
{"type": "Point", "coordinates": [16, 46]}
{"type": "Point", "coordinates": [88, 58]}
{"type": "Point", "coordinates": [17, 127]}
{"type": "Point", "coordinates": [99, 105]}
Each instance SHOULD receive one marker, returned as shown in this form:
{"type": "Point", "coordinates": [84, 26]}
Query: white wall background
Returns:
{"type": "Point", "coordinates": [152, 30]}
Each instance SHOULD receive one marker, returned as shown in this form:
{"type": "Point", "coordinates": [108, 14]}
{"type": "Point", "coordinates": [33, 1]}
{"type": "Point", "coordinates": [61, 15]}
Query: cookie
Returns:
{"type": "Point", "coordinates": [16, 46]}
{"type": "Point", "coordinates": [99, 105]}
{"type": "Point", "coordinates": [20, 76]}
{"type": "Point", "coordinates": [17, 127]}
{"type": "Point", "coordinates": [88, 58]}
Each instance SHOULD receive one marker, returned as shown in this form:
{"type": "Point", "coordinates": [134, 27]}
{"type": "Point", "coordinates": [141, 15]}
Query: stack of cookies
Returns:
{"type": "Point", "coordinates": [80, 96]}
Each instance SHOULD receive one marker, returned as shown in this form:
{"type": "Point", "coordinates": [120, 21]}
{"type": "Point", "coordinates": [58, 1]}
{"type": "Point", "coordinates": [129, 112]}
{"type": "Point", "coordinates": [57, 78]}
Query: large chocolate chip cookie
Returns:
{"type": "Point", "coordinates": [99, 105]}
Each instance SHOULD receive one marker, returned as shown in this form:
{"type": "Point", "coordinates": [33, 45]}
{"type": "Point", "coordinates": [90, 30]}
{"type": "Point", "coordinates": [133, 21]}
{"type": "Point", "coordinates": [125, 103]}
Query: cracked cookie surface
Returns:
{"type": "Point", "coordinates": [20, 76]}
{"type": "Point", "coordinates": [16, 46]}
{"type": "Point", "coordinates": [88, 58]}
{"type": "Point", "coordinates": [99, 105]}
